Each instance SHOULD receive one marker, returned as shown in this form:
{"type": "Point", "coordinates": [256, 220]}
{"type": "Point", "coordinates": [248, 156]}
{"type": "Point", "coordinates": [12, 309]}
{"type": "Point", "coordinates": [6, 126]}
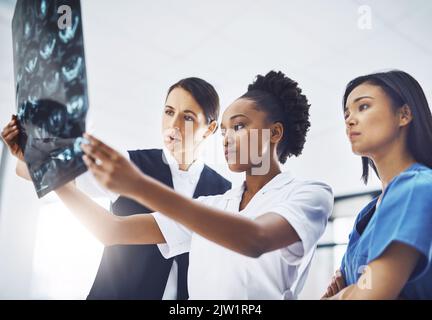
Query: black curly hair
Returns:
{"type": "Point", "coordinates": [282, 99]}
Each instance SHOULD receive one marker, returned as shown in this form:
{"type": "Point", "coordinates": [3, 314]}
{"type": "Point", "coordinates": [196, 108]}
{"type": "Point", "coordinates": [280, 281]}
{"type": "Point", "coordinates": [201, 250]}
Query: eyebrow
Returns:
{"type": "Point", "coordinates": [190, 111]}
{"type": "Point", "coordinates": [358, 99]}
{"type": "Point", "coordinates": [186, 111]}
{"type": "Point", "coordinates": [239, 115]}
{"type": "Point", "coordinates": [363, 97]}
{"type": "Point", "coordinates": [235, 116]}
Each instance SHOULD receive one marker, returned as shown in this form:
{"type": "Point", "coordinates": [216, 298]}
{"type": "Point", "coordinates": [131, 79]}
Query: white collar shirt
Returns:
{"type": "Point", "coordinates": [216, 272]}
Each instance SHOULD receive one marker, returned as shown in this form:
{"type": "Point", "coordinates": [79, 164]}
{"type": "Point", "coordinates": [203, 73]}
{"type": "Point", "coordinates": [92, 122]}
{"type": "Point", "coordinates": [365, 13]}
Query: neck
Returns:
{"type": "Point", "coordinates": [184, 162]}
{"type": "Point", "coordinates": [255, 182]}
{"type": "Point", "coordinates": [392, 161]}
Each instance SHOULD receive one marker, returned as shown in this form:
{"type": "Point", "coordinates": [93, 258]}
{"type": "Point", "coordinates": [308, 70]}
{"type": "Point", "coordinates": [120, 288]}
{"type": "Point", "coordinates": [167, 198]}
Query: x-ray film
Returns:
{"type": "Point", "coordinates": [51, 89]}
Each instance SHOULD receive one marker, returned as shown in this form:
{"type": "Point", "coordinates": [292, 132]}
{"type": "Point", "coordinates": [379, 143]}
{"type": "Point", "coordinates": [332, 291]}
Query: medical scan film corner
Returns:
{"type": "Point", "coordinates": [276, 149]}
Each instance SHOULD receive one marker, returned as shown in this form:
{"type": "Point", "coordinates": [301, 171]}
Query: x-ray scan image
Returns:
{"type": "Point", "coordinates": [51, 90]}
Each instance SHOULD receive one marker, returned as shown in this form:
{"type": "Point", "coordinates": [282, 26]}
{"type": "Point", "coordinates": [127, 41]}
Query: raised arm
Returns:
{"type": "Point", "coordinates": [268, 232]}
{"type": "Point", "coordinates": [10, 134]}
{"type": "Point", "coordinates": [108, 228]}
{"type": "Point", "coordinates": [22, 170]}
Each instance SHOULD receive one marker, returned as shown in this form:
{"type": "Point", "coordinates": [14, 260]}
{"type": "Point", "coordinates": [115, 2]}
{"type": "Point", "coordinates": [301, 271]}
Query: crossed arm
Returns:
{"type": "Point", "coordinates": [383, 278]}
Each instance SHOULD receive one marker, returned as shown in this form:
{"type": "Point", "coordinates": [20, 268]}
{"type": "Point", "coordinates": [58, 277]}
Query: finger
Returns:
{"type": "Point", "coordinates": [90, 162]}
{"type": "Point", "coordinates": [100, 145]}
{"type": "Point", "coordinates": [8, 138]}
{"type": "Point", "coordinates": [330, 292]}
{"type": "Point", "coordinates": [93, 167]}
{"type": "Point", "coordinates": [340, 283]}
{"type": "Point", "coordinates": [334, 288]}
{"type": "Point", "coordinates": [9, 127]}
{"type": "Point", "coordinates": [339, 279]}
{"type": "Point", "coordinates": [95, 153]}
{"type": "Point", "coordinates": [6, 133]}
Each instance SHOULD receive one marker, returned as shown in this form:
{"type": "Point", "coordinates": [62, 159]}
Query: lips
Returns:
{"type": "Point", "coordinates": [229, 151]}
{"type": "Point", "coordinates": [353, 135]}
{"type": "Point", "coordinates": [172, 138]}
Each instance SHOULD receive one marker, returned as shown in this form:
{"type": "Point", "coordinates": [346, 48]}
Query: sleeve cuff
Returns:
{"type": "Point", "coordinates": [177, 237]}
{"type": "Point", "coordinates": [294, 253]}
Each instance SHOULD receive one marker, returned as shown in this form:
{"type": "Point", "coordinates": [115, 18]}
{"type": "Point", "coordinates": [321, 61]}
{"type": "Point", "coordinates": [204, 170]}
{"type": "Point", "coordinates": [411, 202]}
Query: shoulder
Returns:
{"type": "Point", "coordinates": [407, 199]}
{"type": "Point", "coordinates": [145, 154]}
{"type": "Point", "coordinates": [311, 188]}
{"type": "Point", "coordinates": [150, 161]}
{"type": "Point", "coordinates": [308, 196]}
{"type": "Point", "coordinates": [415, 182]}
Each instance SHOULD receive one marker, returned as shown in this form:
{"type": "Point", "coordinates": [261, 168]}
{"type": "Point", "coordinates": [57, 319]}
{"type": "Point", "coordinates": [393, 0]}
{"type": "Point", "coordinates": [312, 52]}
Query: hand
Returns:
{"type": "Point", "coordinates": [10, 135]}
{"type": "Point", "coordinates": [110, 168]}
{"type": "Point", "coordinates": [337, 284]}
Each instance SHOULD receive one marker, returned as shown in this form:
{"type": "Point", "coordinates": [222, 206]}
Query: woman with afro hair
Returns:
{"type": "Point", "coordinates": [252, 242]}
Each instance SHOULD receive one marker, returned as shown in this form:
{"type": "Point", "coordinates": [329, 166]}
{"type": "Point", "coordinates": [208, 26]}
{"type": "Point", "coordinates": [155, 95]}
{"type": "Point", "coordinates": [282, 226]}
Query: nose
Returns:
{"type": "Point", "coordinates": [351, 120]}
{"type": "Point", "coordinates": [228, 138]}
{"type": "Point", "coordinates": [175, 122]}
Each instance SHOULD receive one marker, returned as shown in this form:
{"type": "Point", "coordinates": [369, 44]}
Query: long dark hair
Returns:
{"type": "Point", "coordinates": [402, 89]}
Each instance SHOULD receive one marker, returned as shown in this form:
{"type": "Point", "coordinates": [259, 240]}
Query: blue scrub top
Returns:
{"type": "Point", "coordinates": [404, 215]}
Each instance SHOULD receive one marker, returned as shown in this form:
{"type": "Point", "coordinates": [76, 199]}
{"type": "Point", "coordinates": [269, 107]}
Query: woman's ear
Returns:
{"type": "Point", "coordinates": [211, 128]}
{"type": "Point", "coordinates": [276, 132]}
{"type": "Point", "coordinates": [405, 115]}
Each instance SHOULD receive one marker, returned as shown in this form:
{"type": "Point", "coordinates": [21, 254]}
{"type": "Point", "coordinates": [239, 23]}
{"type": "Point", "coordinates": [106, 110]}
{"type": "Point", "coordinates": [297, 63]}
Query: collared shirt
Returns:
{"type": "Point", "coordinates": [184, 182]}
{"type": "Point", "coordinates": [216, 272]}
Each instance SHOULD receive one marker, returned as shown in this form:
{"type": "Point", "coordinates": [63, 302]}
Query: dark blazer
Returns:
{"type": "Point", "coordinates": [140, 271]}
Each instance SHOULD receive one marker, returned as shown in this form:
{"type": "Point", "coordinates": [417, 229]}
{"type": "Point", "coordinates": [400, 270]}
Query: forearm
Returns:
{"type": "Point", "coordinates": [385, 277]}
{"type": "Point", "coordinates": [108, 228]}
{"type": "Point", "coordinates": [344, 294]}
{"type": "Point", "coordinates": [22, 170]}
{"type": "Point", "coordinates": [231, 231]}
{"type": "Point", "coordinates": [95, 218]}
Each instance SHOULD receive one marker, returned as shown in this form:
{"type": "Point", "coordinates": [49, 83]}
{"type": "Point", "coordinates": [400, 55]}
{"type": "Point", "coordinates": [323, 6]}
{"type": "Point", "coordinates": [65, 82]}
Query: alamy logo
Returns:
{"type": "Point", "coordinates": [364, 21]}
{"type": "Point", "coordinates": [65, 20]}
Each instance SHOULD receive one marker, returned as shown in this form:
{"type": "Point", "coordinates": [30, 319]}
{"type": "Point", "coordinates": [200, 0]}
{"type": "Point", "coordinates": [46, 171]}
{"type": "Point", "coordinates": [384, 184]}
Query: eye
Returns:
{"type": "Point", "coordinates": [238, 126]}
{"type": "Point", "coordinates": [188, 118]}
{"type": "Point", "coordinates": [346, 115]}
{"type": "Point", "coordinates": [169, 112]}
{"type": "Point", "coordinates": [363, 107]}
